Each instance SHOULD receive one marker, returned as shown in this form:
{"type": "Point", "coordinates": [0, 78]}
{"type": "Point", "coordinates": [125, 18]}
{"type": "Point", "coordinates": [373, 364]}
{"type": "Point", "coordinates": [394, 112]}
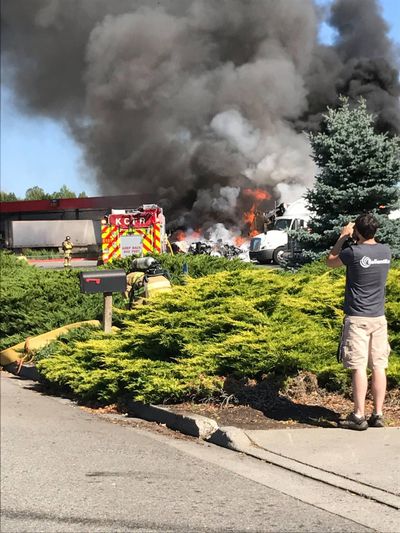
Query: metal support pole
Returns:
{"type": "Point", "coordinates": [107, 312]}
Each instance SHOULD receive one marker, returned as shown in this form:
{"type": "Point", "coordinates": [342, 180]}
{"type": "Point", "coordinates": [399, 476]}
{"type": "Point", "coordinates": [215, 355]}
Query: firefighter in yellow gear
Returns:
{"type": "Point", "coordinates": [67, 249]}
{"type": "Point", "coordinates": [146, 279]}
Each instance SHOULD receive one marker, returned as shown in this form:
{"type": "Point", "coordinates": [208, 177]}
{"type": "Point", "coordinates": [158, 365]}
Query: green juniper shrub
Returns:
{"type": "Point", "coordinates": [241, 324]}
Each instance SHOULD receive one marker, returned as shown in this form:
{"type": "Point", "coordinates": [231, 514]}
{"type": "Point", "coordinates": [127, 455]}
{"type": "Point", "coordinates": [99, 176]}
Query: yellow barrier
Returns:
{"type": "Point", "coordinates": [16, 353]}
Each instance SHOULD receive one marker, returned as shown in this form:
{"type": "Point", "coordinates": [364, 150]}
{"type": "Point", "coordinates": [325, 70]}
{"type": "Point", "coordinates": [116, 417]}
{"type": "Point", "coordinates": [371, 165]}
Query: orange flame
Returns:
{"type": "Point", "coordinates": [239, 240]}
{"type": "Point", "coordinates": [257, 194]}
{"type": "Point", "coordinates": [195, 234]}
{"type": "Point", "coordinates": [179, 235]}
{"type": "Point", "coordinates": [190, 235]}
{"type": "Point", "coordinates": [249, 217]}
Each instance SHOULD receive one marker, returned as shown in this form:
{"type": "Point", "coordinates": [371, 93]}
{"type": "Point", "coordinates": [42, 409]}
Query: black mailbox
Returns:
{"type": "Point", "coordinates": [103, 281]}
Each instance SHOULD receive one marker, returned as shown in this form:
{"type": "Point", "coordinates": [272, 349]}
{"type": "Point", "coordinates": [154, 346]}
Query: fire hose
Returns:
{"type": "Point", "coordinates": [13, 359]}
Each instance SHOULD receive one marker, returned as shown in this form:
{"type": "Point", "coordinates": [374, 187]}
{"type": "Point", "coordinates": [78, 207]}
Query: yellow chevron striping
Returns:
{"type": "Point", "coordinates": [111, 247]}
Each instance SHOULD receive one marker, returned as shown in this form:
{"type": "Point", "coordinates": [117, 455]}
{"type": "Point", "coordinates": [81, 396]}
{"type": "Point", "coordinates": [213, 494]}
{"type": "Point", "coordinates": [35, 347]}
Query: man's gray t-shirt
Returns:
{"type": "Point", "coordinates": [366, 274]}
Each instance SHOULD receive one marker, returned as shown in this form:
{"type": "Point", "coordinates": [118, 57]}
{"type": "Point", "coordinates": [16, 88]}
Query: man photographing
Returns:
{"type": "Point", "coordinates": [364, 339]}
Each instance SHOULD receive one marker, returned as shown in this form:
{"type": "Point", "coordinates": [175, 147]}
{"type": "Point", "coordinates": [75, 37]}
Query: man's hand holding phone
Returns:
{"type": "Point", "coordinates": [347, 231]}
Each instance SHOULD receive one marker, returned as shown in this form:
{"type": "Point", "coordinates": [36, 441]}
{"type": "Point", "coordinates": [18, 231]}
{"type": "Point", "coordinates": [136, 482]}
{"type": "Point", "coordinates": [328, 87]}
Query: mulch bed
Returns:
{"type": "Point", "coordinates": [255, 405]}
{"type": "Point", "coordinates": [250, 404]}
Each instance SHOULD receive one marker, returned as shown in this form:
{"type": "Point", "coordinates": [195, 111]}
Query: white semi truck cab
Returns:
{"type": "Point", "coordinates": [271, 245]}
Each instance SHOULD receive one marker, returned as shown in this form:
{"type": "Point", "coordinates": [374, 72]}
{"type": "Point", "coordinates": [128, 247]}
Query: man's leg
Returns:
{"type": "Point", "coordinates": [378, 387]}
{"type": "Point", "coordinates": [378, 361]}
{"type": "Point", "coordinates": [356, 420]}
{"type": "Point", "coordinates": [355, 357]}
{"type": "Point", "coordinates": [360, 386]}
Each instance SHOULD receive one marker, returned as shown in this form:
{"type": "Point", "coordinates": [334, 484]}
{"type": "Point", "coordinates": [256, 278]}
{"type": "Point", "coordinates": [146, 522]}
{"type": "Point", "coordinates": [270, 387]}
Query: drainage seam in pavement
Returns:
{"type": "Point", "coordinates": [324, 470]}
{"type": "Point", "coordinates": [309, 474]}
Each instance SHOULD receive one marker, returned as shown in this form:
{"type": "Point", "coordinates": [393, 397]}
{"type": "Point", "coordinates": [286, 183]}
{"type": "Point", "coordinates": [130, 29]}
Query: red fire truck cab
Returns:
{"type": "Point", "coordinates": [129, 232]}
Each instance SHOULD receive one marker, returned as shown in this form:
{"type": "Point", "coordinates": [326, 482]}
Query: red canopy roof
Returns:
{"type": "Point", "coordinates": [70, 204]}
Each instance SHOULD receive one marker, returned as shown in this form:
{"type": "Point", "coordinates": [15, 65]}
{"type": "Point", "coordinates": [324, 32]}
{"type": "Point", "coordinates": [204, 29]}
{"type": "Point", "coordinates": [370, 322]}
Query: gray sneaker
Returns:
{"type": "Point", "coordinates": [376, 421]}
{"type": "Point", "coordinates": [354, 422]}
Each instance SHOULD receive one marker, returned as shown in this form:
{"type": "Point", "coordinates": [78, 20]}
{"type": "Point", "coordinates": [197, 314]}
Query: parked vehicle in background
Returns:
{"type": "Point", "coordinates": [271, 245]}
{"type": "Point", "coordinates": [51, 233]}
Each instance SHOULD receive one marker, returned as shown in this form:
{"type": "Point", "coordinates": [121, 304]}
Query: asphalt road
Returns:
{"type": "Point", "coordinates": [66, 470]}
{"type": "Point", "coordinates": [58, 264]}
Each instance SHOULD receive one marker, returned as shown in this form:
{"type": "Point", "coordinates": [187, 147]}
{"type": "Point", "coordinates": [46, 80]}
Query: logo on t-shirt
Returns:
{"type": "Point", "coordinates": [366, 262]}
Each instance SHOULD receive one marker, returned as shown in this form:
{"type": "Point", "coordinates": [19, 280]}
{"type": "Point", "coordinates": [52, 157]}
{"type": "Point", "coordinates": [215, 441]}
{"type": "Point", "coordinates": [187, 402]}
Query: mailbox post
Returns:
{"type": "Point", "coordinates": [107, 282]}
{"type": "Point", "coordinates": [107, 312]}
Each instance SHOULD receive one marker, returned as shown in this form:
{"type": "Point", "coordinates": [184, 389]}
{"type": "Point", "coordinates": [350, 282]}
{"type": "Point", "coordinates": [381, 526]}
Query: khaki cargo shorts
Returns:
{"type": "Point", "coordinates": [365, 342]}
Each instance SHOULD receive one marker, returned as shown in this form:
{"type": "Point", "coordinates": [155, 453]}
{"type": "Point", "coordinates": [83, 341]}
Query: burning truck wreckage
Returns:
{"type": "Point", "coordinates": [249, 244]}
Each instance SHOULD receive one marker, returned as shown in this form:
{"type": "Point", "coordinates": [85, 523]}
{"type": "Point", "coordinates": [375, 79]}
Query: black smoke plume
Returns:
{"type": "Point", "coordinates": [195, 100]}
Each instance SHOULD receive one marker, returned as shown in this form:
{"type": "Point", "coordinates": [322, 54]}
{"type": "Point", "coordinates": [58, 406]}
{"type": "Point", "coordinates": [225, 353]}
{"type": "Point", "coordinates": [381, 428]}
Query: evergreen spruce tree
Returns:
{"type": "Point", "coordinates": [359, 172]}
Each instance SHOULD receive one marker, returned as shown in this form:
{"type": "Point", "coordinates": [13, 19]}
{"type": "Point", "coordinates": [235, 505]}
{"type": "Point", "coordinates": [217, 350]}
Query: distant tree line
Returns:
{"type": "Point", "coordinates": [37, 193]}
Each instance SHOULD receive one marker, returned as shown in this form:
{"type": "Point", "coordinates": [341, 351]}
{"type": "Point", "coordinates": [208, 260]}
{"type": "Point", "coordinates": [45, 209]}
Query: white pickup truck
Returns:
{"type": "Point", "coordinates": [271, 245]}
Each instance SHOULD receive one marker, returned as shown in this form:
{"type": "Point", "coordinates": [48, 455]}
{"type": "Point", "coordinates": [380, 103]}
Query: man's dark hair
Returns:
{"type": "Point", "coordinates": [366, 225]}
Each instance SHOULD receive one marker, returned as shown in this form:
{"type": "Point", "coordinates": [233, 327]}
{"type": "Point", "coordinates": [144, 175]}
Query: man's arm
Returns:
{"type": "Point", "coordinates": [333, 260]}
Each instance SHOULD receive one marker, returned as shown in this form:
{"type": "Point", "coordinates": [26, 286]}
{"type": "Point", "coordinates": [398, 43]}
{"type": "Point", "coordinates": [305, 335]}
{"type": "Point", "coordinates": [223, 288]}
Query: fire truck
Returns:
{"type": "Point", "coordinates": [129, 232]}
{"type": "Point", "coordinates": [43, 224]}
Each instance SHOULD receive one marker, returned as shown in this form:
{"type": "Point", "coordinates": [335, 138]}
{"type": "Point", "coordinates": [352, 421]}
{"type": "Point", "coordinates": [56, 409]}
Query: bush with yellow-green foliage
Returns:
{"type": "Point", "coordinates": [245, 323]}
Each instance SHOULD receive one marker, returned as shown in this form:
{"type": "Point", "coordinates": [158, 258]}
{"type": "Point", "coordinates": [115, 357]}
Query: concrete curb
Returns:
{"type": "Point", "coordinates": [189, 424]}
{"type": "Point", "coordinates": [231, 437]}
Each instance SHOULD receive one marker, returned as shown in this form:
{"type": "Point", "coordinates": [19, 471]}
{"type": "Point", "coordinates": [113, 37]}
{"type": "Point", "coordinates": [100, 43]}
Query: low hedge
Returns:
{"type": "Point", "coordinates": [245, 323]}
{"type": "Point", "coordinates": [198, 265]}
{"type": "Point", "coordinates": [35, 301]}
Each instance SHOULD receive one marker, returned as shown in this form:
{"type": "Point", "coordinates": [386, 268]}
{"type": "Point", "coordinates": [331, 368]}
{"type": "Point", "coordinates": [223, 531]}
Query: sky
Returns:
{"type": "Point", "coordinates": [38, 151]}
